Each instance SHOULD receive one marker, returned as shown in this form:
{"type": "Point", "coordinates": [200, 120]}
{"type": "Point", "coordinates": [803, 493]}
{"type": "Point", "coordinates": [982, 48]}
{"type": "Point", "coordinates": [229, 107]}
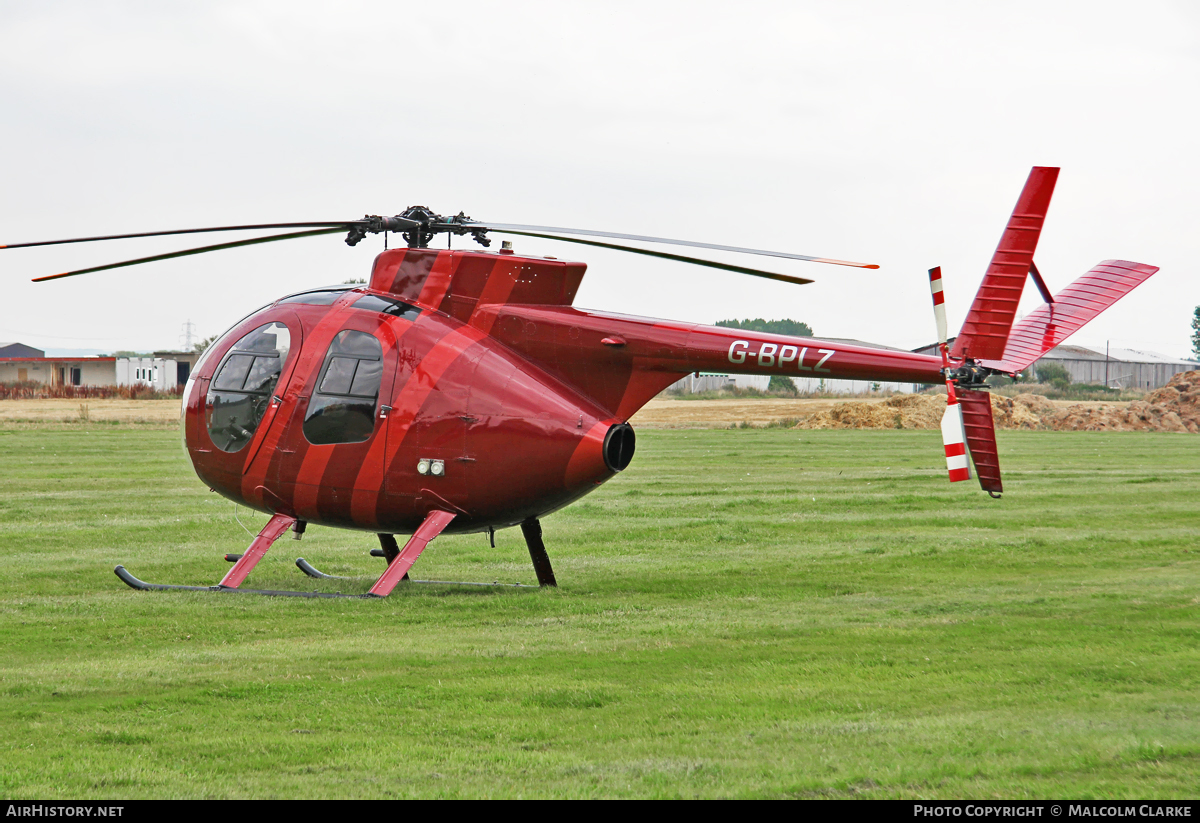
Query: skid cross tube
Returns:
{"type": "Point", "coordinates": [434, 523]}
{"type": "Point", "coordinates": [276, 526]}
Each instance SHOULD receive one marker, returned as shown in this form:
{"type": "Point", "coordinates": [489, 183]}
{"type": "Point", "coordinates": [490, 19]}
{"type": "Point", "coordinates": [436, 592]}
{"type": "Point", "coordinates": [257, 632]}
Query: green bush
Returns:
{"type": "Point", "coordinates": [782, 385]}
{"type": "Point", "coordinates": [1055, 374]}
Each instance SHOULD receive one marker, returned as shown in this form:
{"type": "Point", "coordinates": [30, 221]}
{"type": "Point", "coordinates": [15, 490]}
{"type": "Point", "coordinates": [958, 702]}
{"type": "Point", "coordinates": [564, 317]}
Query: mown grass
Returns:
{"type": "Point", "coordinates": [756, 613]}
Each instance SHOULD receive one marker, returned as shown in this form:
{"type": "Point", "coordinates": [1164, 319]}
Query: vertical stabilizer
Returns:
{"type": "Point", "coordinates": [985, 331]}
{"type": "Point", "coordinates": [981, 438]}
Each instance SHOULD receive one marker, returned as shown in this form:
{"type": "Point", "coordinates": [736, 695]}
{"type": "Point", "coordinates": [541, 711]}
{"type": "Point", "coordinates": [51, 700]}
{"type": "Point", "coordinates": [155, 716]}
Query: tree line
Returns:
{"type": "Point", "coordinates": [792, 328]}
{"type": "Point", "coordinates": [1196, 334]}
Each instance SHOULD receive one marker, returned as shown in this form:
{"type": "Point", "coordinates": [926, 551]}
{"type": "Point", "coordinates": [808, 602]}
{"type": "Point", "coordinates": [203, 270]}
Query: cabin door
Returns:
{"type": "Point", "coordinates": [331, 456]}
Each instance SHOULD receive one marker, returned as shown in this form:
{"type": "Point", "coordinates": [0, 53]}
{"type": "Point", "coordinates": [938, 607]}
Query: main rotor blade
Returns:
{"type": "Point", "coordinates": [514, 228]}
{"type": "Point", "coordinates": [678, 257]}
{"type": "Point", "coordinates": [258, 227]}
{"type": "Point", "coordinates": [253, 241]}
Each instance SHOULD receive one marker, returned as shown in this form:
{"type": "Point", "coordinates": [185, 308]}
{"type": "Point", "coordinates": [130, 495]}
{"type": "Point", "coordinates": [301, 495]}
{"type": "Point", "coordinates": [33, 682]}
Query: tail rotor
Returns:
{"type": "Point", "coordinates": [990, 343]}
{"type": "Point", "coordinates": [954, 434]}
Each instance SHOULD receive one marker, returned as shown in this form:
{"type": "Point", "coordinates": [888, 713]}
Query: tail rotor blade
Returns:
{"type": "Point", "coordinates": [954, 438]}
{"type": "Point", "coordinates": [939, 306]}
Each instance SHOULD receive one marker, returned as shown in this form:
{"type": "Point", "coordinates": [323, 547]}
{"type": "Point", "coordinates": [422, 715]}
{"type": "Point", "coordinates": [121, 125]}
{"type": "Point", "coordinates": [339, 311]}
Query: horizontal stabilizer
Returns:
{"type": "Point", "coordinates": [1076, 305]}
{"type": "Point", "coordinates": [991, 316]}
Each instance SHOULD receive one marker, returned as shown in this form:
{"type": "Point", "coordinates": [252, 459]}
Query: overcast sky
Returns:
{"type": "Point", "coordinates": [892, 133]}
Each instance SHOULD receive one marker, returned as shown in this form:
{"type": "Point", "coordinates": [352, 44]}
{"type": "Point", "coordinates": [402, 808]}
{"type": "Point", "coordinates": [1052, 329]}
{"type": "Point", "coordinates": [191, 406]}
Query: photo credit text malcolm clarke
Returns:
{"type": "Point", "coordinates": [1054, 809]}
{"type": "Point", "coordinates": [981, 810]}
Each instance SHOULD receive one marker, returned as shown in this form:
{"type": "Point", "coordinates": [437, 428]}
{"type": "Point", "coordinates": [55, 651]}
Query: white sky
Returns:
{"type": "Point", "coordinates": [893, 133]}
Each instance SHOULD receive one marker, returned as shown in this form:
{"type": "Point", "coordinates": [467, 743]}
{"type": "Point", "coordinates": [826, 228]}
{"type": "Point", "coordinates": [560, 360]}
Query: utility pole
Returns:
{"type": "Point", "coordinates": [189, 332]}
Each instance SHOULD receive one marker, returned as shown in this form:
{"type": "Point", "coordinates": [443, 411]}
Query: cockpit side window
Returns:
{"type": "Point", "coordinates": [242, 386]}
{"type": "Point", "coordinates": [342, 408]}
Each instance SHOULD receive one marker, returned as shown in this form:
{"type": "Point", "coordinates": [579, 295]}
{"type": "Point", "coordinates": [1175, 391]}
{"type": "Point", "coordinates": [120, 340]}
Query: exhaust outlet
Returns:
{"type": "Point", "coordinates": [619, 443]}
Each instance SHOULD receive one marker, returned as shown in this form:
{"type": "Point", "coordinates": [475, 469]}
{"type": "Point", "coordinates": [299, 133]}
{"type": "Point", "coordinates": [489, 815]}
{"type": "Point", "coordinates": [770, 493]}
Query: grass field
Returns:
{"type": "Point", "coordinates": [755, 613]}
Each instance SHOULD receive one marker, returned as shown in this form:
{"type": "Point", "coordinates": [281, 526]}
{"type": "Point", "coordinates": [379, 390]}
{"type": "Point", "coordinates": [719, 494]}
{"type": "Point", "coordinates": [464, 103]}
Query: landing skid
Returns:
{"type": "Point", "coordinates": [306, 567]}
{"type": "Point", "coordinates": [142, 585]}
{"type": "Point", "coordinates": [399, 562]}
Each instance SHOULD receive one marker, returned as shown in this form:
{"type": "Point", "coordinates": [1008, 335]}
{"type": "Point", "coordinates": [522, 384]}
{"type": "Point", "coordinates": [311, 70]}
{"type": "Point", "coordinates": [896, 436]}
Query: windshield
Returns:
{"type": "Point", "coordinates": [242, 387]}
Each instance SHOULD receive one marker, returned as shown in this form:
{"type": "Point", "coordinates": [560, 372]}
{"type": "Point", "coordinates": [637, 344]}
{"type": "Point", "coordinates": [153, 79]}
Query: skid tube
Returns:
{"type": "Point", "coordinates": [306, 567]}
{"type": "Point", "coordinates": [142, 585]}
{"type": "Point", "coordinates": [433, 525]}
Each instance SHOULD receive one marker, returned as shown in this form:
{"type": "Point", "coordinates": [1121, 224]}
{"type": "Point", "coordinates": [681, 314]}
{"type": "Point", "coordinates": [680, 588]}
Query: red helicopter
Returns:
{"type": "Point", "coordinates": [460, 391]}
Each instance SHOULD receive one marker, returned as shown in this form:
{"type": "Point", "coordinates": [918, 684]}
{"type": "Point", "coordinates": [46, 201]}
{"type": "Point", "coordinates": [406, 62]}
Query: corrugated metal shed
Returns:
{"type": "Point", "coordinates": [1118, 368]}
{"type": "Point", "coordinates": [12, 350]}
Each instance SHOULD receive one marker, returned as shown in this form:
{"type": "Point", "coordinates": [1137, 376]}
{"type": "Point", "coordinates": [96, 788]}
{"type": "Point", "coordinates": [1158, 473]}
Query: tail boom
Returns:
{"type": "Point", "coordinates": [622, 361]}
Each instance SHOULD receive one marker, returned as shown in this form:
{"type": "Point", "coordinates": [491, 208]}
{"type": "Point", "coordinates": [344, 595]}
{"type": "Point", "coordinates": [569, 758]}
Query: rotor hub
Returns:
{"type": "Point", "coordinates": [969, 375]}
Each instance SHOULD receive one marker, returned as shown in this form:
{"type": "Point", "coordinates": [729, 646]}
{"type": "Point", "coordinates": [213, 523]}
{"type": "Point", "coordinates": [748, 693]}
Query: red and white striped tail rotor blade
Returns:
{"type": "Point", "coordinates": [954, 438]}
{"type": "Point", "coordinates": [939, 306]}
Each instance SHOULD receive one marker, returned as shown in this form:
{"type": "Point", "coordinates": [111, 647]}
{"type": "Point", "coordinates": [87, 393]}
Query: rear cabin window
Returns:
{"type": "Point", "coordinates": [388, 306]}
{"type": "Point", "coordinates": [317, 297]}
{"type": "Point", "coordinates": [242, 387]}
{"type": "Point", "coordinates": [342, 409]}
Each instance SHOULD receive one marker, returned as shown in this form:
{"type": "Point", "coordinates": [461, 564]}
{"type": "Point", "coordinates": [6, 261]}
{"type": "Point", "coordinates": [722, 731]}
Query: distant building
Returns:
{"type": "Point", "coordinates": [155, 372]}
{"type": "Point", "coordinates": [11, 351]}
{"type": "Point", "coordinates": [25, 364]}
{"type": "Point", "coordinates": [185, 362]}
{"type": "Point", "coordinates": [59, 371]}
{"type": "Point", "coordinates": [1116, 368]}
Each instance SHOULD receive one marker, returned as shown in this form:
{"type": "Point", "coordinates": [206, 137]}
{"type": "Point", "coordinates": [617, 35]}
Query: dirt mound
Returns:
{"type": "Point", "coordinates": [1024, 411]}
{"type": "Point", "coordinates": [1173, 408]}
{"type": "Point", "coordinates": [1036, 403]}
{"type": "Point", "coordinates": [905, 411]}
{"type": "Point", "coordinates": [1137, 416]}
{"type": "Point", "coordinates": [1182, 396]}
{"type": "Point", "coordinates": [924, 411]}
